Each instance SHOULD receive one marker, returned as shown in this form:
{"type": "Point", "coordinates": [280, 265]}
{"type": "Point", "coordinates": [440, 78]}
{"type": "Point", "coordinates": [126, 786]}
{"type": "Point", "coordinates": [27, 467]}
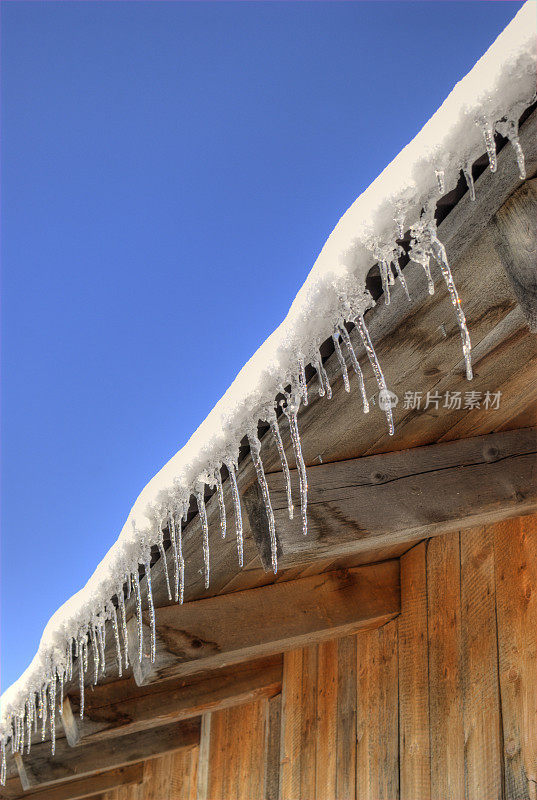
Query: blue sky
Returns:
{"type": "Point", "coordinates": [169, 173]}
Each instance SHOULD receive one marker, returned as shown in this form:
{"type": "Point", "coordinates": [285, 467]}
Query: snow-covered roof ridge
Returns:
{"type": "Point", "coordinates": [491, 97]}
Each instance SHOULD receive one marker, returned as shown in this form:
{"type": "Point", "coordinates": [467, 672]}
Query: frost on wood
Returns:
{"type": "Point", "coordinates": [329, 307]}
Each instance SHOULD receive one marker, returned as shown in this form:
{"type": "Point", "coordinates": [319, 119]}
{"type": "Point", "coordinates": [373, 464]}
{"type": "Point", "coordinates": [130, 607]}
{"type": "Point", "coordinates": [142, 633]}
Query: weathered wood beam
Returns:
{"type": "Point", "coordinates": [39, 768]}
{"type": "Point", "coordinates": [79, 788]}
{"type": "Point", "coordinates": [516, 241]}
{"type": "Point", "coordinates": [409, 494]}
{"type": "Point", "coordinates": [121, 707]}
{"type": "Point", "coordinates": [237, 627]}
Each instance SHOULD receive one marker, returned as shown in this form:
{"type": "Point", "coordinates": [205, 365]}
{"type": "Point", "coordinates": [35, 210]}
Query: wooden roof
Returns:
{"type": "Point", "coordinates": [371, 497]}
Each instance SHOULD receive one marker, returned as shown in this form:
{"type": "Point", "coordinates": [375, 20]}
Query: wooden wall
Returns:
{"type": "Point", "coordinates": [440, 703]}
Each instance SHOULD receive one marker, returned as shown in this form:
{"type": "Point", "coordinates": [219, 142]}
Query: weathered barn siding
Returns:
{"type": "Point", "coordinates": [439, 703]}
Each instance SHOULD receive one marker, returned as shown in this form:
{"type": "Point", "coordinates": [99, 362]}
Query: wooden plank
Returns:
{"type": "Point", "coordinates": [291, 725]}
{"type": "Point", "coordinates": [377, 749]}
{"type": "Point", "coordinates": [410, 493]}
{"type": "Point", "coordinates": [237, 748]}
{"type": "Point", "coordinates": [445, 667]}
{"type": "Point", "coordinates": [70, 762]}
{"type": "Point", "coordinates": [326, 750]}
{"type": "Point", "coordinates": [482, 727]}
{"type": "Point", "coordinates": [515, 546]}
{"type": "Point", "coordinates": [122, 707]}
{"type": "Point", "coordinates": [83, 787]}
{"type": "Point", "coordinates": [346, 717]}
{"type": "Point", "coordinates": [203, 760]}
{"type": "Point", "coordinates": [215, 632]}
{"type": "Point", "coordinates": [273, 723]}
{"type": "Point", "coordinates": [172, 777]}
{"type": "Point", "coordinates": [414, 746]}
{"type": "Point", "coordinates": [309, 718]}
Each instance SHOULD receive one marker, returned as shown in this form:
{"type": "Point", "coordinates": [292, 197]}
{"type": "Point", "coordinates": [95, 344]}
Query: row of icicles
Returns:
{"type": "Point", "coordinates": [425, 245]}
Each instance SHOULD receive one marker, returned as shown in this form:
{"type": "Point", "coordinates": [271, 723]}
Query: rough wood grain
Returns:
{"type": "Point", "coordinates": [172, 777]}
{"type": "Point", "coordinates": [346, 716]}
{"type": "Point", "coordinates": [445, 667]}
{"type": "Point", "coordinates": [273, 724]}
{"type": "Point", "coordinates": [515, 546]}
{"type": "Point", "coordinates": [70, 762]}
{"type": "Point", "coordinates": [410, 493]}
{"type": "Point", "coordinates": [481, 702]}
{"type": "Point", "coordinates": [122, 707]}
{"type": "Point", "coordinates": [212, 632]}
{"type": "Point", "coordinates": [414, 745]}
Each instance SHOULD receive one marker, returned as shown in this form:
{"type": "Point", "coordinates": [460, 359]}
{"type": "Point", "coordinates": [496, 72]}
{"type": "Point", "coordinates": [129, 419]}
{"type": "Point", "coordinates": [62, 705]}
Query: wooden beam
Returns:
{"type": "Point", "coordinates": [71, 762]}
{"type": "Point", "coordinates": [516, 242]}
{"type": "Point", "coordinates": [122, 707]}
{"type": "Point", "coordinates": [410, 494]}
{"type": "Point", "coordinates": [79, 788]}
{"type": "Point", "coordinates": [237, 627]}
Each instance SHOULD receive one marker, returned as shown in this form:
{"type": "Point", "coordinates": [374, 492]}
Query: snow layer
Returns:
{"type": "Point", "coordinates": [498, 88]}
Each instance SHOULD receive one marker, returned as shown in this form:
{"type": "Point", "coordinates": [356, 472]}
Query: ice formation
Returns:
{"type": "Point", "coordinates": [489, 99]}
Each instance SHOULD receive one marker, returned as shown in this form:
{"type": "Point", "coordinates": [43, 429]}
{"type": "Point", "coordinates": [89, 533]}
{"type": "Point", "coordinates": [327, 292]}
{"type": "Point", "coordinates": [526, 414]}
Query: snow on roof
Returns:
{"type": "Point", "coordinates": [491, 97]}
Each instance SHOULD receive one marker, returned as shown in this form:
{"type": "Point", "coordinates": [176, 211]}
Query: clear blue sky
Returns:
{"type": "Point", "coordinates": [169, 173]}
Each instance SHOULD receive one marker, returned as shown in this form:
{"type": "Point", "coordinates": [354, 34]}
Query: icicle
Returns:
{"type": "Point", "coordinates": [35, 712]}
{"type": "Point", "coordinates": [237, 507]}
{"type": "Point", "coordinates": [123, 618]}
{"type": "Point", "coordinates": [100, 630]}
{"type": "Point", "coordinates": [291, 411]}
{"type": "Point", "coordinates": [28, 726]}
{"type": "Point", "coordinates": [85, 651]}
{"type": "Point", "coordinates": [399, 219]}
{"type": "Point", "coordinates": [221, 503]}
{"type": "Point", "coordinates": [69, 659]}
{"type": "Point", "coordinates": [467, 172]}
{"type": "Point", "coordinates": [164, 562]}
{"type": "Point", "coordinates": [399, 271]}
{"type": "Point", "coordinates": [385, 272]}
{"type": "Point", "coordinates": [440, 179]}
{"type": "Point", "coordinates": [81, 684]}
{"type": "Point", "coordinates": [421, 253]}
{"type": "Point", "coordinates": [302, 383]}
{"type": "Point", "coordinates": [43, 713]}
{"type": "Point", "coordinates": [179, 566]}
{"type": "Point", "coordinates": [324, 383]}
{"type": "Point", "coordinates": [356, 365]}
{"type": "Point", "coordinates": [95, 651]}
{"type": "Point", "coordinates": [129, 585]}
{"type": "Point", "coordinates": [20, 741]}
{"type": "Point", "coordinates": [152, 626]}
{"type": "Point", "coordinates": [205, 529]}
{"type": "Point", "coordinates": [273, 420]}
{"type": "Point", "coordinates": [509, 129]}
{"type": "Point", "coordinates": [255, 449]}
{"type": "Point", "coordinates": [440, 254]}
{"type": "Point", "coordinates": [364, 333]}
{"type": "Point", "coordinates": [3, 767]}
{"type": "Point", "coordinates": [341, 360]}
{"type": "Point", "coordinates": [61, 678]}
{"type": "Point", "coordinates": [488, 135]}
{"type": "Point", "coordinates": [115, 628]}
{"type": "Point", "coordinates": [138, 597]}
{"type": "Point", "coordinates": [52, 693]}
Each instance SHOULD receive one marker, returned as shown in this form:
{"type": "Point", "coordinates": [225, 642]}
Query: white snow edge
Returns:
{"type": "Point", "coordinates": [500, 85]}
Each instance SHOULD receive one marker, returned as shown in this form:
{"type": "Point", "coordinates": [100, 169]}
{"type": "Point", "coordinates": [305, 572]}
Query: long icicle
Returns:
{"type": "Point", "coordinates": [162, 552]}
{"type": "Point", "coordinates": [255, 449]}
{"type": "Point", "coordinates": [61, 676]}
{"type": "Point", "coordinates": [205, 530]}
{"type": "Point", "coordinates": [341, 360]}
{"type": "Point", "coordinates": [102, 644]}
{"type": "Point", "coordinates": [356, 365]}
{"type": "Point", "coordinates": [302, 383]}
{"type": "Point", "coordinates": [467, 172]}
{"type": "Point", "coordinates": [490, 143]}
{"type": "Point", "coordinates": [440, 254]}
{"type": "Point", "coordinates": [152, 625]}
{"type": "Point", "coordinates": [273, 421]}
{"type": "Point", "coordinates": [123, 618]}
{"type": "Point", "coordinates": [115, 628]}
{"type": "Point", "coordinates": [402, 280]}
{"type": "Point", "coordinates": [370, 350]}
{"type": "Point", "coordinates": [3, 767]}
{"type": "Point", "coordinates": [52, 692]}
{"type": "Point", "coordinates": [95, 650]}
{"type": "Point", "coordinates": [221, 503]}
{"type": "Point", "coordinates": [291, 412]}
{"type": "Point", "coordinates": [81, 681]}
{"type": "Point", "coordinates": [138, 598]}
{"type": "Point", "coordinates": [237, 508]}
{"type": "Point", "coordinates": [44, 713]}
{"type": "Point", "coordinates": [28, 726]}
